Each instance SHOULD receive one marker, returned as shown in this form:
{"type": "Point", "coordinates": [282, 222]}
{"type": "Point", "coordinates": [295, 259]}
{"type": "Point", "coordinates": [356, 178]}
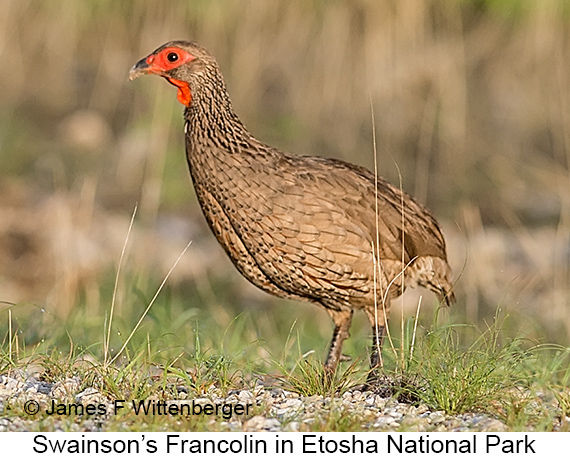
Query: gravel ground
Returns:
{"type": "Point", "coordinates": [274, 409]}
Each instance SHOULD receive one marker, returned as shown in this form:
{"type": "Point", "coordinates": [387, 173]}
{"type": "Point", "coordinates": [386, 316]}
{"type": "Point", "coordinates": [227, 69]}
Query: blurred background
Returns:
{"type": "Point", "coordinates": [470, 101]}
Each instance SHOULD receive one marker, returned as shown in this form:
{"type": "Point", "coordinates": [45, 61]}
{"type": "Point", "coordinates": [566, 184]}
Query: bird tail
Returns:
{"type": "Point", "coordinates": [449, 297]}
{"type": "Point", "coordinates": [443, 291]}
{"type": "Point", "coordinates": [435, 274]}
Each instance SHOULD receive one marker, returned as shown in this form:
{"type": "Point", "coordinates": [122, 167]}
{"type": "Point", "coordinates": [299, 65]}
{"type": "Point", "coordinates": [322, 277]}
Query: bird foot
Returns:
{"type": "Point", "coordinates": [403, 390]}
{"type": "Point", "coordinates": [381, 385]}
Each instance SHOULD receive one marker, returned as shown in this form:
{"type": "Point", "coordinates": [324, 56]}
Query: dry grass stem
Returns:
{"type": "Point", "coordinates": [115, 287]}
{"type": "Point", "coordinates": [147, 309]}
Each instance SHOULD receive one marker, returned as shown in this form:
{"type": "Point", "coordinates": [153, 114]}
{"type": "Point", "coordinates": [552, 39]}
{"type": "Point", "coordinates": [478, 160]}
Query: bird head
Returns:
{"type": "Point", "coordinates": [179, 62]}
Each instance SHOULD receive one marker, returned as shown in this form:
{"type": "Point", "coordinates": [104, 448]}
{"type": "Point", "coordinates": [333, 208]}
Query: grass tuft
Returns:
{"type": "Point", "coordinates": [309, 377]}
{"type": "Point", "coordinates": [449, 370]}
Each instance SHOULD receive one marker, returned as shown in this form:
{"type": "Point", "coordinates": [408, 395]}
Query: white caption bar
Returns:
{"type": "Point", "coordinates": [293, 444]}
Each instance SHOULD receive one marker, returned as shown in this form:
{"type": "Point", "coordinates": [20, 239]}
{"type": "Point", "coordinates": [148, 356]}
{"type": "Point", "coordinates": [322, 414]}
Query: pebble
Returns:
{"type": "Point", "coordinates": [283, 410]}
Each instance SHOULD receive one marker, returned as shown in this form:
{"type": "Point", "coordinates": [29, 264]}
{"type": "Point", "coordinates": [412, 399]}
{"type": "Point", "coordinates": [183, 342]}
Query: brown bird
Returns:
{"type": "Point", "coordinates": [306, 228]}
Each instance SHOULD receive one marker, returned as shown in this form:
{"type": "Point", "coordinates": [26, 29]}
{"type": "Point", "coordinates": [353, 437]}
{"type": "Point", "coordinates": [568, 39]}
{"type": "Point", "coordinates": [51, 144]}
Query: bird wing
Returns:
{"type": "Point", "coordinates": [310, 223]}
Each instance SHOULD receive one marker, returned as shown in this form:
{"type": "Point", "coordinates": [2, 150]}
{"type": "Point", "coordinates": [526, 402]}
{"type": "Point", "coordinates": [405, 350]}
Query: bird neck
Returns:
{"type": "Point", "coordinates": [211, 120]}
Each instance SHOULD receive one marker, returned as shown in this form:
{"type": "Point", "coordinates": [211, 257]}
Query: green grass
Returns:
{"type": "Point", "coordinates": [451, 368]}
{"type": "Point", "coordinates": [457, 372]}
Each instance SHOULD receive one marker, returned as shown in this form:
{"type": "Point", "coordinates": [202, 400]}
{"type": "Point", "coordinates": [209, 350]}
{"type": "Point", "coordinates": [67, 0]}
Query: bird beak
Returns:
{"type": "Point", "coordinates": [140, 68]}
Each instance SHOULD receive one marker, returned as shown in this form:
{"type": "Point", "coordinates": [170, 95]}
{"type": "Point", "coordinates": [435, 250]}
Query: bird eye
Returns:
{"type": "Point", "coordinates": [172, 57]}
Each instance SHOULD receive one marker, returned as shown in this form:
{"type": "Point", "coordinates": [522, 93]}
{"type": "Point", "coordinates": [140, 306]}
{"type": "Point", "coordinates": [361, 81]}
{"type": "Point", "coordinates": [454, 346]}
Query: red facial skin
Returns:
{"type": "Point", "coordinates": [162, 62]}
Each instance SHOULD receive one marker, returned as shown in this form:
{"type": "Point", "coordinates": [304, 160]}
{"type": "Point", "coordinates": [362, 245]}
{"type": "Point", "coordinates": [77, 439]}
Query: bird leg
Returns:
{"type": "Point", "coordinates": [378, 332]}
{"type": "Point", "coordinates": [342, 320]}
{"type": "Point", "coordinates": [378, 322]}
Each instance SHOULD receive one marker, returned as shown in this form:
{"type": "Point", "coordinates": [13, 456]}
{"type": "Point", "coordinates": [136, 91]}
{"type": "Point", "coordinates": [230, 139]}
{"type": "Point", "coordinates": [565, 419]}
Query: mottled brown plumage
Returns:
{"type": "Point", "coordinates": [305, 228]}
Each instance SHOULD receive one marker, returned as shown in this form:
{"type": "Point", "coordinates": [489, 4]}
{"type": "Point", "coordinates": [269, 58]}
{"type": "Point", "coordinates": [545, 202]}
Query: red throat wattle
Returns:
{"type": "Point", "coordinates": [184, 95]}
